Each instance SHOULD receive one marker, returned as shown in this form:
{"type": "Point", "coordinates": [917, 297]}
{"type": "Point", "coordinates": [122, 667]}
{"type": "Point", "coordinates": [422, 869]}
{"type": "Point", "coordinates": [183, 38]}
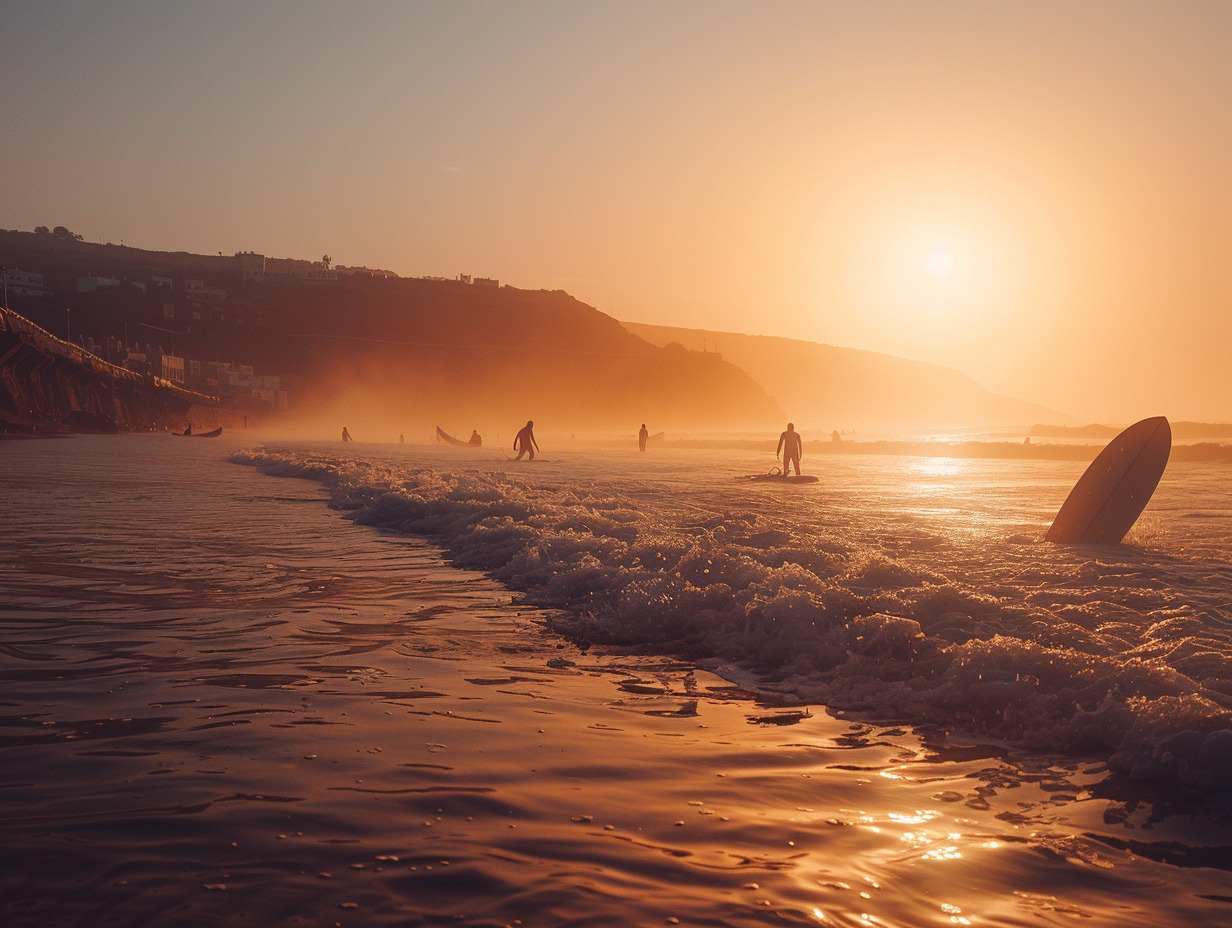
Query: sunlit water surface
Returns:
{"type": "Point", "coordinates": [221, 702]}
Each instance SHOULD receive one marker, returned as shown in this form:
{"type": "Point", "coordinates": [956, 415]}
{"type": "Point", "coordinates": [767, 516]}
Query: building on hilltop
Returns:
{"type": "Point", "coordinates": [195, 289]}
{"type": "Point", "coordinates": [90, 284]}
{"type": "Point", "coordinates": [24, 283]}
{"type": "Point", "coordinates": [252, 266]}
{"type": "Point", "coordinates": [292, 270]}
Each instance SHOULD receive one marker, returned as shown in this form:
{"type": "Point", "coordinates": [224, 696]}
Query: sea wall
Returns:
{"type": "Point", "coordinates": [49, 386]}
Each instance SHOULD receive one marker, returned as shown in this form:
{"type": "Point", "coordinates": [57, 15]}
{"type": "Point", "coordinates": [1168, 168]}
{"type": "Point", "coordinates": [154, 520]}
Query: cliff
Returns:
{"type": "Point", "coordinates": [443, 352]}
{"type": "Point", "coordinates": [49, 386]}
{"type": "Point", "coordinates": [389, 355]}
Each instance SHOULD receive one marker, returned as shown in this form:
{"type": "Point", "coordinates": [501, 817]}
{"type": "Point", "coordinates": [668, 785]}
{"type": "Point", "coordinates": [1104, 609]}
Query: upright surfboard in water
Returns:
{"type": "Point", "coordinates": [1109, 497]}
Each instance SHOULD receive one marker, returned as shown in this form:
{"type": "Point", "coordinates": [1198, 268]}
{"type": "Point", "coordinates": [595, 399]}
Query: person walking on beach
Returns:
{"type": "Point", "coordinates": [525, 442]}
{"type": "Point", "coordinates": [346, 436]}
{"type": "Point", "coordinates": [641, 438]}
{"type": "Point", "coordinates": [790, 445]}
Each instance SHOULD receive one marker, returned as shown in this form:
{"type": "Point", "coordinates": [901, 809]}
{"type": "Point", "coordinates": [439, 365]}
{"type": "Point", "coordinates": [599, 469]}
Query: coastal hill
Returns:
{"type": "Point", "coordinates": [466, 356]}
{"type": "Point", "coordinates": [826, 387]}
{"type": "Point", "coordinates": [382, 354]}
{"type": "Point", "coordinates": [388, 355]}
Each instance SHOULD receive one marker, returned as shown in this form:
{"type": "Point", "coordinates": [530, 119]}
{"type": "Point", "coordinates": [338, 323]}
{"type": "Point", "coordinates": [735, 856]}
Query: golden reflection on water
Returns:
{"type": "Point", "coordinates": [937, 467]}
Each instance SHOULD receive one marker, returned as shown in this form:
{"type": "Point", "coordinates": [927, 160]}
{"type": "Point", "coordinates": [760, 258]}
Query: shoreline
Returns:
{"type": "Point", "coordinates": [1018, 451]}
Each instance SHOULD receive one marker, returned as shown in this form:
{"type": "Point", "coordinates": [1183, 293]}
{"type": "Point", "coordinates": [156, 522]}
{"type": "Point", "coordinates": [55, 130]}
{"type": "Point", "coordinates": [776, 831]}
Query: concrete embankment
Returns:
{"type": "Point", "coordinates": [50, 386]}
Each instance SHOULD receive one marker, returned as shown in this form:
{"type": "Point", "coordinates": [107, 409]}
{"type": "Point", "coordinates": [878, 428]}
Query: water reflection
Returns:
{"type": "Point", "coordinates": [258, 708]}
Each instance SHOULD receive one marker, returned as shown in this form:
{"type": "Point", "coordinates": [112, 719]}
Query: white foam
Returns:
{"type": "Point", "coordinates": [902, 592]}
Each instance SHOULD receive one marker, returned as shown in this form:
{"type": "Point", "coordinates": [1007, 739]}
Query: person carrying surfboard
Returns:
{"type": "Point", "coordinates": [524, 442]}
{"type": "Point", "coordinates": [790, 445]}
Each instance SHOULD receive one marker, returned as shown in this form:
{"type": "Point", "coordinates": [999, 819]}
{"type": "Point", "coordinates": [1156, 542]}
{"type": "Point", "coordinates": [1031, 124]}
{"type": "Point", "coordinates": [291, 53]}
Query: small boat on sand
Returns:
{"type": "Point", "coordinates": [189, 433]}
{"type": "Point", "coordinates": [474, 442]}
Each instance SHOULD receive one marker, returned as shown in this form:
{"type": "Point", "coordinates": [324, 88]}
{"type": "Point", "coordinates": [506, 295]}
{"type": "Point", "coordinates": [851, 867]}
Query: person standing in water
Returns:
{"type": "Point", "coordinates": [346, 436]}
{"type": "Point", "coordinates": [790, 445]}
{"type": "Point", "coordinates": [641, 438]}
{"type": "Point", "coordinates": [525, 442]}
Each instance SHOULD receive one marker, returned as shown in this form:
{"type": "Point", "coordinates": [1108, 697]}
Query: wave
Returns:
{"type": "Point", "coordinates": [1117, 653]}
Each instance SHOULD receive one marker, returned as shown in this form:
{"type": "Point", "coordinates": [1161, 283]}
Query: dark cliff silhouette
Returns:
{"type": "Point", "coordinates": [406, 350]}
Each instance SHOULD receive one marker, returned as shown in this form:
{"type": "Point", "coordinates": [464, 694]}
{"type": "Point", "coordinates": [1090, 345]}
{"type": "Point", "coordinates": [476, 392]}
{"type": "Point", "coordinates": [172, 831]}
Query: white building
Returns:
{"type": "Point", "coordinates": [90, 284]}
{"type": "Point", "coordinates": [24, 283]}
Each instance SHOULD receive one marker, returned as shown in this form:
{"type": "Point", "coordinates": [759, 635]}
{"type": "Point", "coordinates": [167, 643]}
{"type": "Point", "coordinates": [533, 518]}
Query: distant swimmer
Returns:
{"type": "Point", "coordinates": [641, 438]}
{"type": "Point", "coordinates": [789, 444]}
{"type": "Point", "coordinates": [525, 442]}
{"type": "Point", "coordinates": [346, 436]}
{"type": "Point", "coordinates": [475, 439]}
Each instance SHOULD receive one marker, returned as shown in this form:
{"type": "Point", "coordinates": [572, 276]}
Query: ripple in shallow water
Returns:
{"type": "Point", "coordinates": [245, 707]}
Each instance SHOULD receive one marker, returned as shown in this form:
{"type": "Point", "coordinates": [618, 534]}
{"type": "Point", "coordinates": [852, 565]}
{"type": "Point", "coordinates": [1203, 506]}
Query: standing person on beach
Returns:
{"type": "Point", "coordinates": [525, 442]}
{"type": "Point", "coordinates": [641, 438]}
{"type": "Point", "coordinates": [791, 446]}
{"type": "Point", "coordinates": [346, 436]}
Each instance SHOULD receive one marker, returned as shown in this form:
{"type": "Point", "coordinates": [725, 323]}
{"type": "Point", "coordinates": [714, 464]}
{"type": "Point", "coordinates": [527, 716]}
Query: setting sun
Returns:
{"type": "Point", "coordinates": [941, 262]}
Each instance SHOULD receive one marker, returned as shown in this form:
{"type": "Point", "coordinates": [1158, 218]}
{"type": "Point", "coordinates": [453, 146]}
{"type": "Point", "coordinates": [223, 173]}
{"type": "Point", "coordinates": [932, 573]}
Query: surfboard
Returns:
{"type": "Point", "coordinates": [1108, 498]}
{"type": "Point", "coordinates": [779, 478]}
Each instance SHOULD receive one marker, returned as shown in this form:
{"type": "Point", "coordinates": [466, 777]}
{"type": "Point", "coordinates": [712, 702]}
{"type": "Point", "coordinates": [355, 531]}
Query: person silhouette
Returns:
{"type": "Point", "coordinates": [524, 442]}
{"type": "Point", "coordinates": [790, 445]}
{"type": "Point", "coordinates": [346, 436]}
{"type": "Point", "coordinates": [641, 438]}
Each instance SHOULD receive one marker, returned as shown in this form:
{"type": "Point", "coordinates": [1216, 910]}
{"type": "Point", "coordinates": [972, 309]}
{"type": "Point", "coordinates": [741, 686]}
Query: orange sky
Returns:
{"type": "Point", "coordinates": [1035, 193]}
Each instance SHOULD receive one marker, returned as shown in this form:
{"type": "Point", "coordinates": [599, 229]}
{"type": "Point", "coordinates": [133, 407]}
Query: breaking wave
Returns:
{"type": "Point", "coordinates": [947, 614]}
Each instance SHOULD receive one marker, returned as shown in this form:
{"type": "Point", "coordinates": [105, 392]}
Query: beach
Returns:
{"type": "Point", "coordinates": [262, 683]}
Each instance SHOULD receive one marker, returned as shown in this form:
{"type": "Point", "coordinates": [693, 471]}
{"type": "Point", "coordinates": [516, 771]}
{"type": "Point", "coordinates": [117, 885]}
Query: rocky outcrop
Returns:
{"type": "Point", "coordinates": [48, 385]}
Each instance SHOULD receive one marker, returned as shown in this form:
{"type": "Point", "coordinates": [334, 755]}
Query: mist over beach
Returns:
{"type": "Point", "coordinates": [616, 464]}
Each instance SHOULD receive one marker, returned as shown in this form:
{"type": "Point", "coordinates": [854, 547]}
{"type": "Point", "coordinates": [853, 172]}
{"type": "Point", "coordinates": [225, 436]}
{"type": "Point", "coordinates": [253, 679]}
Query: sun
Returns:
{"type": "Point", "coordinates": [940, 262]}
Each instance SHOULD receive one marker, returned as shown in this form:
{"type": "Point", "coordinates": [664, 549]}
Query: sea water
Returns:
{"type": "Point", "coordinates": [414, 685]}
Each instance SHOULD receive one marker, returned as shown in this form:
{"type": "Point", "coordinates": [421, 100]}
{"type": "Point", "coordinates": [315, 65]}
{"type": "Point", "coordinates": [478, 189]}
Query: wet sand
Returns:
{"type": "Point", "coordinates": [222, 703]}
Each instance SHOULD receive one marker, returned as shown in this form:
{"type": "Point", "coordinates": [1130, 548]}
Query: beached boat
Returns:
{"type": "Point", "coordinates": [442, 435]}
{"type": "Point", "coordinates": [188, 433]}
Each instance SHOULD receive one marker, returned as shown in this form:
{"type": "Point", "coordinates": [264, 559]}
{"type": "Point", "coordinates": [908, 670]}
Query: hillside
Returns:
{"type": "Point", "coordinates": [384, 355]}
{"type": "Point", "coordinates": [825, 387]}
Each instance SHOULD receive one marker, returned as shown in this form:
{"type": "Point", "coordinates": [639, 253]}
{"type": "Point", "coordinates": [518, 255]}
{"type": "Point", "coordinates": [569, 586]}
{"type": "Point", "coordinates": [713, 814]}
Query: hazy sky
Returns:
{"type": "Point", "coordinates": [1036, 193]}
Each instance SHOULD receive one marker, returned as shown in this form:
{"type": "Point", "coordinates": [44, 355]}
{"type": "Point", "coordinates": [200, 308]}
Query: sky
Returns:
{"type": "Point", "coordinates": [1038, 194]}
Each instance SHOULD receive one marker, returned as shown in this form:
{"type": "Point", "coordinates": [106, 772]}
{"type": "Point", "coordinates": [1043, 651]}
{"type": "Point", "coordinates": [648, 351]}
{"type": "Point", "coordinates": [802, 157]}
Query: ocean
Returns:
{"type": "Point", "coordinates": [248, 682]}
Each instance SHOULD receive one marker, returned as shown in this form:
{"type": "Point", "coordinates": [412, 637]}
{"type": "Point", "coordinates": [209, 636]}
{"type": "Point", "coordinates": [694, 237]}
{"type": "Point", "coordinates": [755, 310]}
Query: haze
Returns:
{"type": "Point", "coordinates": [1035, 194]}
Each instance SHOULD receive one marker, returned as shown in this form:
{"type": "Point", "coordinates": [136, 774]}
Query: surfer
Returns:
{"type": "Point", "coordinates": [346, 436]}
{"type": "Point", "coordinates": [475, 440]}
{"type": "Point", "coordinates": [524, 442]}
{"type": "Point", "coordinates": [789, 444]}
{"type": "Point", "coordinates": [641, 438]}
